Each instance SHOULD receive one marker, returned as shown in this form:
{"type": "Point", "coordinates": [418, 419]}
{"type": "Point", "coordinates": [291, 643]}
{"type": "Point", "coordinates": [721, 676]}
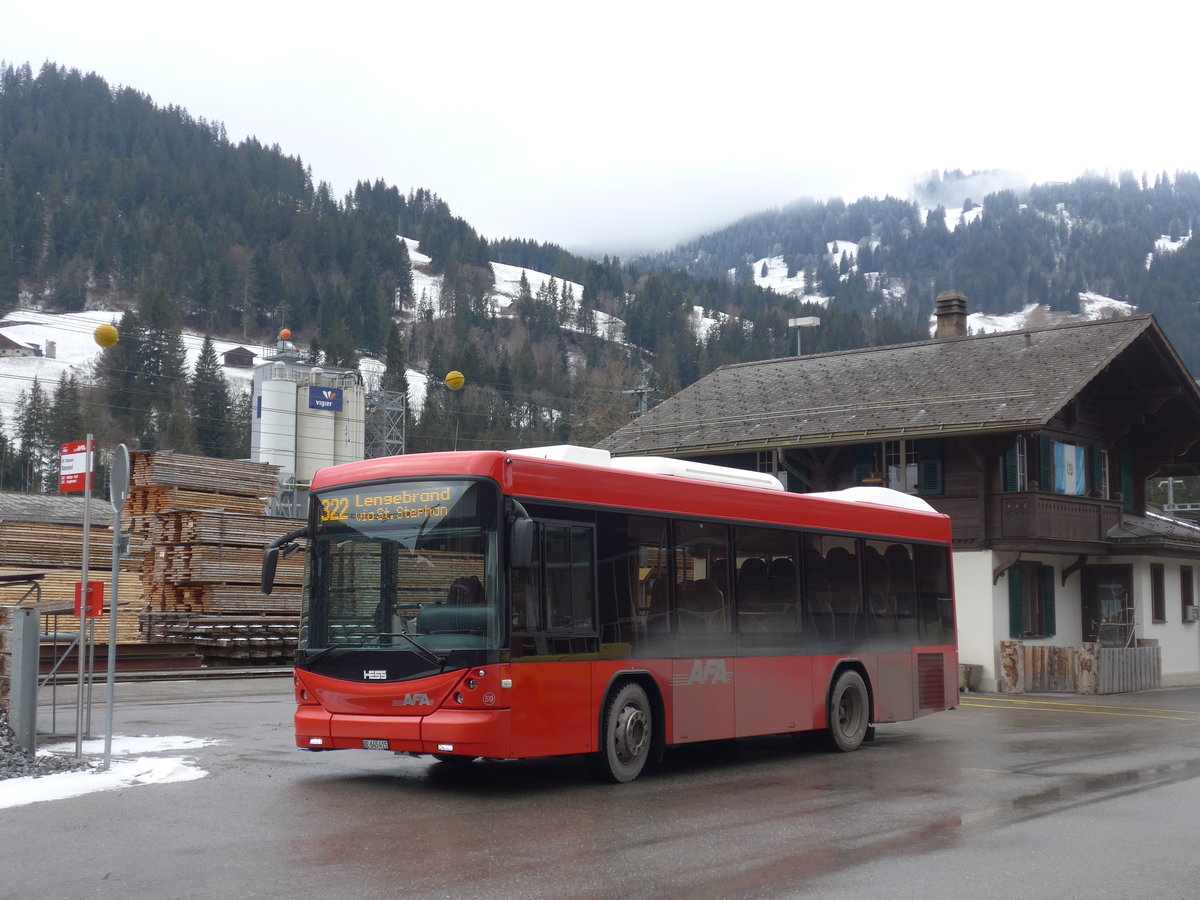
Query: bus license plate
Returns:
{"type": "Point", "coordinates": [375, 745]}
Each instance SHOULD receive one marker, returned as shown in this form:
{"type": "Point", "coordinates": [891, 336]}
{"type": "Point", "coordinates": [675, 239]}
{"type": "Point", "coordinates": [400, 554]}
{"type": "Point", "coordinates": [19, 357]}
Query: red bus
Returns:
{"type": "Point", "coordinates": [558, 601]}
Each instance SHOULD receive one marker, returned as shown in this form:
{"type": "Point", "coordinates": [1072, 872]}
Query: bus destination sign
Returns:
{"type": "Point", "coordinates": [389, 503]}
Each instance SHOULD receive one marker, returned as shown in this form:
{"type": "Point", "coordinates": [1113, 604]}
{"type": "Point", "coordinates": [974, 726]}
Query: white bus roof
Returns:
{"type": "Point", "coordinates": [654, 465]}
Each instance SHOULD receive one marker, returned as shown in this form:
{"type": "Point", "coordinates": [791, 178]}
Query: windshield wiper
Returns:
{"type": "Point", "coordinates": [309, 660]}
{"type": "Point", "coordinates": [424, 652]}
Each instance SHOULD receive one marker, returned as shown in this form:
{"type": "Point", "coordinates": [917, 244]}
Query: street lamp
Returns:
{"type": "Point", "coordinates": [803, 322]}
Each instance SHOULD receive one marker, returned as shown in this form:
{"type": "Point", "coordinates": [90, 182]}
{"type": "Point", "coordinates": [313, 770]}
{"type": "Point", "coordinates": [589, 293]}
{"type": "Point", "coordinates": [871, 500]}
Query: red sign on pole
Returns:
{"type": "Point", "coordinates": [73, 475]}
{"type": "Point", "coordinates": [95, 600]}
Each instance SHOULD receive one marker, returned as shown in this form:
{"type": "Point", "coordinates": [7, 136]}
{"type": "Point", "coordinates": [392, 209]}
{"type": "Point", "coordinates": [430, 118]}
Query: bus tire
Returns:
{"type": "Point", "coordinates": [849, 712]}
{"type": "Point", "coordinates": [626, 735]}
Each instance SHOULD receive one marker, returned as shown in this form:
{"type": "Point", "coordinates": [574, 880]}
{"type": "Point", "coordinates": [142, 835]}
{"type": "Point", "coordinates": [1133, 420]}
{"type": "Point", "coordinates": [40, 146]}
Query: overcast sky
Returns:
{"type": "Point", "coordinates": [617, 126]}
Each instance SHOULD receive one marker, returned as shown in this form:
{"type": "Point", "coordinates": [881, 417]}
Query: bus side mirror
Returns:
{"type": "Point", "coordinates": [270, 561]}
{"type": "Point", "coordinates": [520, 543]}
{"type": "Point", "coordinates": [285, 543]}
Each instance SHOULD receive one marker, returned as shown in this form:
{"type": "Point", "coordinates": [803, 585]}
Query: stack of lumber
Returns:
{"type": "Point", "coordinates": [53, 546]}
{"type": "Point", "coordinates": [58, 587]}
{"type": "Point", "coordinates": [200, 526]}
{"type": "Point", "coordinates": [269, 638]}
{"type": "Point", "coordinates": [42, 534]}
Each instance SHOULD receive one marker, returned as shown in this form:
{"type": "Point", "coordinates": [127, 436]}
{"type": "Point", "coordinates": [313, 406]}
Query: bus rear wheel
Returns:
{"type": "Point", "coordinates": [626, 734]}
{"type": "Point", "coordinates": [849, 712]}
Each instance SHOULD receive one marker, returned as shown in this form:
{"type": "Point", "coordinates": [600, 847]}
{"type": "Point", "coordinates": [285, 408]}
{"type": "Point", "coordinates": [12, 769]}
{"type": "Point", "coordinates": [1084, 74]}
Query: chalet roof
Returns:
{"type": "Point", "coordinates": [1156, 532]}
{"type": "Point", "coordinates": [999, 382]}
{"type": "Point", "coordinates": [7, 343]}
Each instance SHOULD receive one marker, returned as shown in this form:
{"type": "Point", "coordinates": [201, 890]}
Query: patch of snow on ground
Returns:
{"type": "Point", "coordinates": [777, 279]}
{"type": "Point", "coordinates": [1097, 306]}
{"type": "Point", "coordinates": [130, 767]}
{"type": "Point", "coordinates": [835, 250]}
{"type": "Point", "coordinates": [1164, 245]}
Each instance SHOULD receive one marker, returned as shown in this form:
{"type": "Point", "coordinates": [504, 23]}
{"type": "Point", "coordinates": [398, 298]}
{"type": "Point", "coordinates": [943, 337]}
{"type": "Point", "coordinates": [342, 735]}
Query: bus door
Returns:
{"type": "Point", "coordinates": [553, 641]}
{"type": "Point", "coordinates": [702, 672]}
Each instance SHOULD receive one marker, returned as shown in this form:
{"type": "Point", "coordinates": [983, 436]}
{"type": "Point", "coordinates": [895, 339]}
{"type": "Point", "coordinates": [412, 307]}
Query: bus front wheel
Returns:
{"type": "Point", "coordinates": [626, 735]}
{"type": "Point", "coordinates": [849, 712]}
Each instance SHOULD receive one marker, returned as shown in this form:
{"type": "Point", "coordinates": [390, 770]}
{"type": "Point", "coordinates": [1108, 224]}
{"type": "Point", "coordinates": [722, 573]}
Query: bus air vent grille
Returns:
{"type": "Point", "coordinates": [931, 680]}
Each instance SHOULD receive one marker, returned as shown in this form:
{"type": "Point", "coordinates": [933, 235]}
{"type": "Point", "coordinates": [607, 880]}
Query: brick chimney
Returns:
{"type": "Point", "coordinates": [951, 311]}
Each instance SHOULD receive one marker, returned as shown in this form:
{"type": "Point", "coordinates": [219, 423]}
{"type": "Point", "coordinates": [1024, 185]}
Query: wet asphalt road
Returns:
{"type": "Point", "coordinates": [1037, 796]}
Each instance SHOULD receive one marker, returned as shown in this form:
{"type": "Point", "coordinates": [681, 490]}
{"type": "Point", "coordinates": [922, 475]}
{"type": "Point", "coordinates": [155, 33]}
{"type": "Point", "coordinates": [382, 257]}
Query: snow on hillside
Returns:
{"type": "Point", "coordinates": [776, 279]}
{"type": "Point", "coordinates": [76, 349]}
{"type": "Point", "coordinates": [1092, 307]}
{"type": "Point", "coordinates": [956, 217]}
{"type": "Point", "coordinates": [427, 290]}
{"type": "Point", "coordinates": [1165, 244]}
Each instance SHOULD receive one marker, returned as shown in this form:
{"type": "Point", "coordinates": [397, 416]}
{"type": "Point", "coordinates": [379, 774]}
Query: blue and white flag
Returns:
{"type": "Point", "coordinates": [1068, 469]}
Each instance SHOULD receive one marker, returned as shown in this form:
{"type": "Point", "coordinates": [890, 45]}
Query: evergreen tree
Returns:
{"type": "Point", "coordinates": [211, 405]}
{"type": "Point", "coordinates": [36, 456]}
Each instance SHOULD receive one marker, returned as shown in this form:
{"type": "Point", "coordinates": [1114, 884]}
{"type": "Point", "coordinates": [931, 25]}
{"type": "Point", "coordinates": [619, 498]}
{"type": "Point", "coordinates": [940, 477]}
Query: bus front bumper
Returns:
{"type": "Point", "coordinates": [461, 732]}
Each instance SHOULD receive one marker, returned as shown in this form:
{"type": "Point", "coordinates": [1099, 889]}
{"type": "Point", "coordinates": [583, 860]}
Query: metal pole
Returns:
{"type": "Point", "coordinates": [83, 595]}
{"type": "Point", "coordinates": [118, 487]}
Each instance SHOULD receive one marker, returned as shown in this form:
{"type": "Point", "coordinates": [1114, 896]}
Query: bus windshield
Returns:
{"type": "Point", "coordinates": [407, 564]}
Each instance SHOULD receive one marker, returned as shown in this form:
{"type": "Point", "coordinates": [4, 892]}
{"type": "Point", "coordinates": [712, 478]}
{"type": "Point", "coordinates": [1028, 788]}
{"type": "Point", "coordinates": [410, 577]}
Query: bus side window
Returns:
{"type": "Point", "coordinates": [701, 549]}
{"type": "Point", "coordinates": [570, 577]}
{"type": "Point", "coordinates": [632, 562]}
{"type": "Point", "coordinates": [768, 608]}
{"type": "Point", "coordinates": [526, 593]}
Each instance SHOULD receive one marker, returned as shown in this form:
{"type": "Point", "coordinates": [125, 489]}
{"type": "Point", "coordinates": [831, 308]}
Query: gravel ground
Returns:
{"type": "Point", "coordinates": [16, 761]}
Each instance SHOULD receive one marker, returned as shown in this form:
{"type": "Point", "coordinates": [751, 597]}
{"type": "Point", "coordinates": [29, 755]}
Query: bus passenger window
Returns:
{"type": "Point", "coordinates": [768, 603]}
{"type": "Point", "coordinates": [701, 549]}
{"type": "Point", "coordinates": [570, 577]}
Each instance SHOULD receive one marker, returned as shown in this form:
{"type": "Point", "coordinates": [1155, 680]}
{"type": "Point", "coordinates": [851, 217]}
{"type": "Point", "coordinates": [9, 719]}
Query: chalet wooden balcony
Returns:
{"type": "Point", "coordinates": [1051, 517]}
{"type": "Point", "coordinates": [1015, 518]}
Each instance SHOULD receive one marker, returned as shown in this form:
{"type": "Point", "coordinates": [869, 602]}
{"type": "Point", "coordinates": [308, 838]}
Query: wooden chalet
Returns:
{"type": "Point", "coordinates": [1038, 443]}
{"type": "Point", "coordinates": [238, 358]}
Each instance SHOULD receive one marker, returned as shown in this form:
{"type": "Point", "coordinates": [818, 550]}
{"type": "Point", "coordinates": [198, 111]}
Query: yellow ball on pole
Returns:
{"type": "Point", "coordinates": [455, 380]}
{"type": "Point", "coordinates": [106, 336]}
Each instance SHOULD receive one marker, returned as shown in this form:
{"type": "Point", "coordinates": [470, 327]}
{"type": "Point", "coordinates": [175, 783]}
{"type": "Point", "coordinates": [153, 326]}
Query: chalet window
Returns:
{"type": "Point", "coordinates": [1158, 592]}
{"type": "Point", "coordinates": [1187, 594]}
{"type": "Point", "coordinates": [1031, 600]}
{"type": "Point", "coordinates": [1063, 468]}
{"type": "Point", "coordinates": [1016, 467]}
{"type": "Point", "coordinates": [1099, 464]}
{"type": "Point", "coordinates": [914, 467]}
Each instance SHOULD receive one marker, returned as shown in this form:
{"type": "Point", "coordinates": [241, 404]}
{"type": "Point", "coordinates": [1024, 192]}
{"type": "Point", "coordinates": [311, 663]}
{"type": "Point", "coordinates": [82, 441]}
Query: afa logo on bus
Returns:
{"type": "Point", "coordinates": [705, 671]}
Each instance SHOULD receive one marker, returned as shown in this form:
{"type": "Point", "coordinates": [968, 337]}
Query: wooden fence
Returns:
{"type": "Point", "coordinates": [1086, 669]}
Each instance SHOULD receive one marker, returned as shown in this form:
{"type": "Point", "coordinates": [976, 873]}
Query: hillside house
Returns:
{"type": "Point", "coordinates": [1038, 444]}
{"type": "Point", "coordinates": [9, 347]}
{"type": "Point", "coordinates": [238, 358]}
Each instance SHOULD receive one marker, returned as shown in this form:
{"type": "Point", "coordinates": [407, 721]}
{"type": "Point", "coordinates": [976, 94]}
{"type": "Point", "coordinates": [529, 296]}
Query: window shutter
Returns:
{"type": "Point", "coordinates": [1127, 479]}
{"type": "Point", "coordinates": [1011, 471]}
{"type": "Point", "coordinates": [1045, 463]}
{"type": "Point", "coordinates": [929, 466]}
{"type": "Point", "coordinates": [1016, 605]}
{"type": "Point", "coordinates": [1046, 585]}
{"type": "Point", "coordinates": [1097, 479]}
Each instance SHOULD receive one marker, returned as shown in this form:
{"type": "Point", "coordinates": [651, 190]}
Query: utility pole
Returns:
{"type": "Point", "coordinates": [803, 322]}
{"type": "Point", "coordinates": [643, 392]}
